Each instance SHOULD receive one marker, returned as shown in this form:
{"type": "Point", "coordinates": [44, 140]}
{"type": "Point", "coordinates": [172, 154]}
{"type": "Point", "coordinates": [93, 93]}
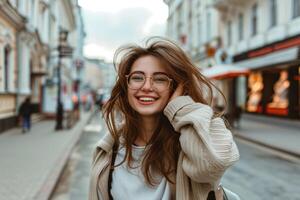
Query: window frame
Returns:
{"type": "Point", "coordinates": [295, 9]}
{"type": "Point", "coordinates": [273, 6]}
{"type": "Point", "coordinates": [254, 19]}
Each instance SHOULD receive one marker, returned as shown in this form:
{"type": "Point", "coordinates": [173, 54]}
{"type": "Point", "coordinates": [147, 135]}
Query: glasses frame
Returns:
{"type": "Point", "coordinates": [151, 80]}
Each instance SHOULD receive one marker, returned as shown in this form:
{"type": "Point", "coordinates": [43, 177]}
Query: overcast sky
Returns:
{"type": "Point", "coordinates": [111, 23]}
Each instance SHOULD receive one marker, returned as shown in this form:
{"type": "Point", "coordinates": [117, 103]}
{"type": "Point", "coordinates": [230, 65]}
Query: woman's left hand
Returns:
{"type": "Point", "coordinates": [178, 92]}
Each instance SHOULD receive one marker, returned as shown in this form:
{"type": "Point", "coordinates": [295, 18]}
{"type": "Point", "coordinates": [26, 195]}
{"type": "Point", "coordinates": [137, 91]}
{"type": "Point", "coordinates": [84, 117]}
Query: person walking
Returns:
{"type": "Point", "coordinates": [25, 114]}
{"type": "Point", "coordinates": [164, 141]}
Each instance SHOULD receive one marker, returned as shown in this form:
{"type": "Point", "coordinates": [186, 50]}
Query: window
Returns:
{"type": "Point", "coordinates": [241, 26]}
{"type": "Point", "coordinates": [296, 8]}
{"type": "Point", "coordinates": [6, 67]}
{"type": "Point", "coordinates": [208, 26]}
{"type": "Point", "coordinates": [229, 33]}
{"type": "Point", "coordinates": [273, 13]}
{"type": "Point", "coordinates": [180, 20]}
{"type": "Point", "coordinates": [254, 20]}
{"type": "Point", "coordinates": [32, 11]}
{"type": "Point", "coordinates": [200, 35]}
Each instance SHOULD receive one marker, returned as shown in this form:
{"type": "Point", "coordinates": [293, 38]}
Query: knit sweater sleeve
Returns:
{"type": "Point", "coordinates": [207, 145]}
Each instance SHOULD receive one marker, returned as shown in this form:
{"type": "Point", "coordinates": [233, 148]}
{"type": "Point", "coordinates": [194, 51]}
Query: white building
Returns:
{"type": "Point", "coordinates": [29, 33]}
{"type": "Point", "coordinates": [63, 17]}
{"type": "Point", "coordinates": [99, 74]}
{"type": "Point", "coordinates": [263, 36]}
{"type": "Point", "coordinates": [193, 25]}
{"type": "Point", "coordinates": [260, 36]}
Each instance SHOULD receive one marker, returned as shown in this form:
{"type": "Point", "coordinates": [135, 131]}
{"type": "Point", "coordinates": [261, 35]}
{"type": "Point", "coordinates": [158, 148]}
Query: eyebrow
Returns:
{"type": "Point", "coordinates": [141, 72]}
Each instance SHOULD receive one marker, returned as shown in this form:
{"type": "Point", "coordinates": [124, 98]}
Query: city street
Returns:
{"type": "Point", "coordinates": [259, 175]}
{"type": "Point", "coordinates": [61, 60]}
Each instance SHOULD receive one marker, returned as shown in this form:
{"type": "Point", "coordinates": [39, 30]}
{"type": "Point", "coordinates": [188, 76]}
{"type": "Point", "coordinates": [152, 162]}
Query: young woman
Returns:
{"type": "Point", "coordinates": [164, 140]}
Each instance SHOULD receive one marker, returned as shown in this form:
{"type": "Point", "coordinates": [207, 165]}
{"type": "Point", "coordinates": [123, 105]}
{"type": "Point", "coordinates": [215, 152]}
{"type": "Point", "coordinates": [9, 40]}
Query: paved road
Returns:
{"type": "Point", "coordinates": [259, 175]}
{"type": "Point", "coordinates": [262, 175]}
{"type": "Point", "coordinates": [74, 182]}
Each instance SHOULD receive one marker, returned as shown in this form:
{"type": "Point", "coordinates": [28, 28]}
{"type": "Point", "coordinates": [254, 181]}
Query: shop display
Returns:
{"type": "Point", "coordinates": [280, 101]}
{"type": "Point", "coordinates": [255, 84]}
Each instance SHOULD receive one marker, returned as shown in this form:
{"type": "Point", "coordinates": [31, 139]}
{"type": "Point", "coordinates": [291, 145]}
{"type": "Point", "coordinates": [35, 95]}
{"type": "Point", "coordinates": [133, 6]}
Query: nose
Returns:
{"type": "Point", "coordinates": [148, 86]}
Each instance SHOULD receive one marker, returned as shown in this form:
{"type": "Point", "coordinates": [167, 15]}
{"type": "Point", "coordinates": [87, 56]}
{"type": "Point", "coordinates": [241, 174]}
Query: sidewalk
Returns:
{"type": "Point", "coordinates": [31, 163]}
{"type": "Point", "coordinates": [278, 134]}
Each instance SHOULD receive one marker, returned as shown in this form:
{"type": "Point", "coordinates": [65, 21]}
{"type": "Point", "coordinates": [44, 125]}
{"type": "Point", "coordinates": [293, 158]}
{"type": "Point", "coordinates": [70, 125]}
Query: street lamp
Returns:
{"type": "Point", "coordinates": [64, 50]}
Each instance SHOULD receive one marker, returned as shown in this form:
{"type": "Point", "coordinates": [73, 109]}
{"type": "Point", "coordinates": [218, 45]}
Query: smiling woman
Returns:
{"type": "Point", "coordinates": [170, 143]}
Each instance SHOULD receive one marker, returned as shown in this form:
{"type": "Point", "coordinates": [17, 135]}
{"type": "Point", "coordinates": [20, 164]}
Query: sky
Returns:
{"type": "Point", "coordinates": [110, 24]}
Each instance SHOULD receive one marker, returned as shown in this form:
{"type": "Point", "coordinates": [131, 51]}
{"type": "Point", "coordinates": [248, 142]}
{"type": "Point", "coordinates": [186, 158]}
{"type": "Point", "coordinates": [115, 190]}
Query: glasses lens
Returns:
{"type": "Point", "coordinates": [161, 82]}
{"type": "Point", "coordinates": [136, 81]}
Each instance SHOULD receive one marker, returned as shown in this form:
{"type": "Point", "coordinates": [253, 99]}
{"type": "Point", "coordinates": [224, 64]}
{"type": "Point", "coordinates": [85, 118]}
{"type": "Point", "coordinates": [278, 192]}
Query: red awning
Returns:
{"type": "Point", "coordinates": [224, 71]}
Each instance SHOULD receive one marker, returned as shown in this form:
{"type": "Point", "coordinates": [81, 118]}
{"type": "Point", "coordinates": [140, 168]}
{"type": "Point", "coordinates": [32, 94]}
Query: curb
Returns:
{"type": "Point", "coordinates": [263, 144]}
{"type": "Point", "coordinates": [49, 184]}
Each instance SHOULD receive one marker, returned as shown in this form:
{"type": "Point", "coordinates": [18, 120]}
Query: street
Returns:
{"type": "Point", "coordinates": [259, 175]}
{"type": "Point", "coordinates": [74, 181]}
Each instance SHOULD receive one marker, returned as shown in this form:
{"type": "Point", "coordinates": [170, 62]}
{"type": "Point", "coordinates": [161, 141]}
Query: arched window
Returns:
{"type": "Point", "coordinates": [6, 66]}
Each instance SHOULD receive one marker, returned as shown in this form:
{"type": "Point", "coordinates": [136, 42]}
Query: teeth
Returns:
{"type": "Point", "coordinates": [147, 99]}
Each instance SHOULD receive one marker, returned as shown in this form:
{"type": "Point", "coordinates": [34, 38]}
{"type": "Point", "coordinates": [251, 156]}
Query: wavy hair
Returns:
{"type": "Point", "coordinates": [163, 149]}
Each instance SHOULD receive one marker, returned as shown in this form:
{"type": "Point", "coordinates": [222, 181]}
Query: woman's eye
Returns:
{"type": "Point", "coordinates": [137, 78]}
{"type": "Point", "coordinates": [160, 79]}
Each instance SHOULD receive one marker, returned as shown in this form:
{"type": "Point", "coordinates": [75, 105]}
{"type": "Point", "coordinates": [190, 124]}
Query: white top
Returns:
{"type": "Point", "coordinates": [128, 183]}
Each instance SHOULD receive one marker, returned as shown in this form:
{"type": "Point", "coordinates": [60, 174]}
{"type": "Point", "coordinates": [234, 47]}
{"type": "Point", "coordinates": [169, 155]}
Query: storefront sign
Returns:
{"type": "Point", "coordinates": [288, 43]}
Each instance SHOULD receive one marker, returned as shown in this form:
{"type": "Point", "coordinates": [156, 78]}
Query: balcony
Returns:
{"type": "Point", "coordinates": [228, 5]}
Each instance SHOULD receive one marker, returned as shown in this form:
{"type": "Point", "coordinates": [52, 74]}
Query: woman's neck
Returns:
{"type": "Point", "coordinates": [148, 126]}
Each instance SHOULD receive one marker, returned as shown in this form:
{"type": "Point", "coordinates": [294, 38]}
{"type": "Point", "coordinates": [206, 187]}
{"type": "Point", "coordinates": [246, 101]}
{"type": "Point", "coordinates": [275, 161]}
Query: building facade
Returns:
{"type": "Point", "coordinates": [264, 37]}
{"type": "Point", "coordinates": [196, 27]}
{"type": "Point", "coordinates": [29, 35]}
{"type": "Point", "coordinates": [234, 38]}
{"type": "Point", "coordinates": [11, 22]}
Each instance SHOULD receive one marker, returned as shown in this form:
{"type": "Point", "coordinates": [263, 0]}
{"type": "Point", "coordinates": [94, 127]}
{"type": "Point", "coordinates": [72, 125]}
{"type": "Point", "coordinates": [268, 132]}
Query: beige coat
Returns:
{"type": "Point", "coordinates": [207, 151]}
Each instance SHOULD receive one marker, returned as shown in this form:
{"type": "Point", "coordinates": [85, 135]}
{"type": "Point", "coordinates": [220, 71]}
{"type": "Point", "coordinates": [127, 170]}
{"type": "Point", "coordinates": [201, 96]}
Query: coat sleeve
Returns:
{"type": "Point", "coordinates": [207, 145]}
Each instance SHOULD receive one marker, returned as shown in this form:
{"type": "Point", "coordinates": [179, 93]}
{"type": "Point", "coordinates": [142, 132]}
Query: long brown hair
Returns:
{"type": "Point", "coordinates": [163, 149]}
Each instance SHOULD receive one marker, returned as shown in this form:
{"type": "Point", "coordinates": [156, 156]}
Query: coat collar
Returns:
{"type": "Point", "coordinates": [106, 143]}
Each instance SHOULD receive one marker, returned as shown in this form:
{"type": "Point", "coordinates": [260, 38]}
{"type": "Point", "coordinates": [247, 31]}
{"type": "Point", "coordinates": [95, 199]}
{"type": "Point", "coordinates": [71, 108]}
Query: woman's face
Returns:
{"type": "Point", "coordinates": [153, 95]}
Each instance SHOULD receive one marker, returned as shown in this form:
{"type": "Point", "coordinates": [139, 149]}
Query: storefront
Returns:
{"type": "Point", "coordinates": [273, 84]}
{"type": "Point", "coordinates": [226, 77]}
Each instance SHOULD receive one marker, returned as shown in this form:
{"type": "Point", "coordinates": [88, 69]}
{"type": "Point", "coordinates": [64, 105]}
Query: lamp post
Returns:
{"type": "Point", "coordinates": [64, 50]}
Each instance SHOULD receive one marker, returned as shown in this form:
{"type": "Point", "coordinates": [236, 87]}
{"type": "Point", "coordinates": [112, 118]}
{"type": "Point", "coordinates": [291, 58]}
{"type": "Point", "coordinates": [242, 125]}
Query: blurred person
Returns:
{"type": "Point", "coordinates": [75, 101]}
{"type": "Point", "coordinates": [164, 140]}
{"type": "Point", "coordinates": [25, 112]}
{"type": "Point", "coordinates": [89, 102]}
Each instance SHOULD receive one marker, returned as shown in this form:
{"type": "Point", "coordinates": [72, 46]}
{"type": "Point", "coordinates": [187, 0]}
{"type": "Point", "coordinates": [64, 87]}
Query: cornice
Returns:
{"type": "Point", "coordinates": [12, 15]}
{"type": "Point", "coordinates": [70, 12]}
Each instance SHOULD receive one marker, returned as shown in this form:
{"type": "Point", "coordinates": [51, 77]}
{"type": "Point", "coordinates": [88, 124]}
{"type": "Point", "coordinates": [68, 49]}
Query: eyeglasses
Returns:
{"type": "Point", "coordinates": [159, 81]}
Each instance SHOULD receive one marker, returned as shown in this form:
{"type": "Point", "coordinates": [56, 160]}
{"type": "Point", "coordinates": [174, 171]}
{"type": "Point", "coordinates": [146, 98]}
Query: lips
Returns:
{"type": "Point", "coordinates": [146, 99]}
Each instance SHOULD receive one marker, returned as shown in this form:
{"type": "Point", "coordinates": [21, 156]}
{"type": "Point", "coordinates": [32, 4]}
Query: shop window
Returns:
{"type": "Point", "coordinates": [280, 100]}
{"type": "Point", "coordinates": [256, 86]}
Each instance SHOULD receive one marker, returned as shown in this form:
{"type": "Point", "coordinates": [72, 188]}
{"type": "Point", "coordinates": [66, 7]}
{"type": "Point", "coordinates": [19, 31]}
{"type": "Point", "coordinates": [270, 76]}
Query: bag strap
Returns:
{"type": "Point", "coordinates": [224, 194]}
{"type": "Point", "coordinates": [112, 164]}
{"type": "Point", "coordinates": [212, 195]}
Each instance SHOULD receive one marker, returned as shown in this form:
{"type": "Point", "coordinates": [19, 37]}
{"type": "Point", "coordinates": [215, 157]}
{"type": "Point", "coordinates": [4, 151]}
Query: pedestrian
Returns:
{"type": "Point", "coordinates": [169, 143]}
{"type": "Point", "coordinates": [25, 111]}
